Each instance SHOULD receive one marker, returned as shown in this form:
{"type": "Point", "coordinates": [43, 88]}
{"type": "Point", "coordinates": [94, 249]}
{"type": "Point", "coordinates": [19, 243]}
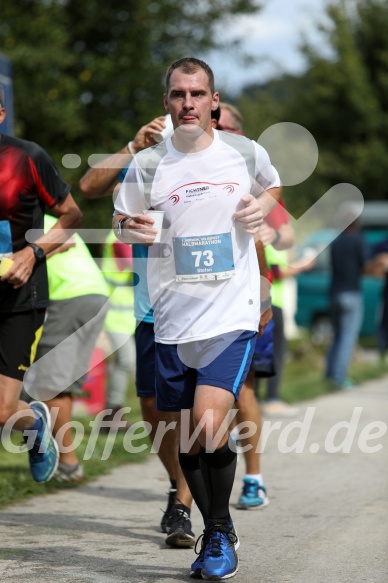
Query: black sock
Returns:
{"type": "Point", "coordinates": [219, 468]}
{"type": "Point", "coordinates": [173, 484]}
{"type": "Point", "coordinates": [182, 507]}
{"type": "Point", "coordinates": [194, 478]}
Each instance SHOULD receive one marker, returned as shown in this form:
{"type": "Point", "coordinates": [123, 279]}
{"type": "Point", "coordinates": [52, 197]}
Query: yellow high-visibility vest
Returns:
{"type": "Point", "coordinates": [120, 317]}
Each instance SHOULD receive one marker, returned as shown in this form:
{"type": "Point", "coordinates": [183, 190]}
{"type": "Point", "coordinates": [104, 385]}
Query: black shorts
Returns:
{"type": "Point", "coordinates": [19, 336]}
{"type": "Point", "coordinates": [145, 359]}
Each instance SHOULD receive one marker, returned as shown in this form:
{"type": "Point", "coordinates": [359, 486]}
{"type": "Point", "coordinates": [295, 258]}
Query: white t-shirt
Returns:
{"type": "Point", "coordinates": [203, 277]}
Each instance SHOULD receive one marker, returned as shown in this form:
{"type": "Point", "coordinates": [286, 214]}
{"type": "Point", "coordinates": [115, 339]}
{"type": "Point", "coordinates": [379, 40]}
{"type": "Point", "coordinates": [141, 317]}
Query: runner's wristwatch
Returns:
{"type": "Point", "coordinates": [119, 225]}
{"type": "Point", "coordinates": [38, 251]}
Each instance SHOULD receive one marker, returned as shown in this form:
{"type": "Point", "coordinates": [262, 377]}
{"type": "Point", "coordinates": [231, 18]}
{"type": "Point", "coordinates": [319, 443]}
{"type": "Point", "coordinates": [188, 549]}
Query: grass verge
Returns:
{"type": "Point", "coordinates": [16, 483]}
{"type": "Point", "coordinates": [304, 370]}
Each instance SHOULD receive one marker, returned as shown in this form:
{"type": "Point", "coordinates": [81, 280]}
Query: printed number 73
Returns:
{"type": "Point", "coordinates": [207, 254]}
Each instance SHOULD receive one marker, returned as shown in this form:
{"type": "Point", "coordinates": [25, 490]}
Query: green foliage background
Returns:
{"type": "Point", "coordinates": [342, 100]}
{"type": "Point", "coordinates": [88, 74]}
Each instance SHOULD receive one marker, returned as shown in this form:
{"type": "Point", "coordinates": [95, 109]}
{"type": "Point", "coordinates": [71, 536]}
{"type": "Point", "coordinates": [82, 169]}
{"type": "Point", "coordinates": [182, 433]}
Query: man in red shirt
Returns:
{"type": "Point", "coordinates": [29, 182]}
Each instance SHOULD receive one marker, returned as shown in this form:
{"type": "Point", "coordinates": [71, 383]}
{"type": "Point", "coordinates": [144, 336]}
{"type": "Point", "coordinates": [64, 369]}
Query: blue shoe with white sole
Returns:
{"type": "Point", "coordinates": [44, 453]}
{"type": "Point", "coordinates": [198, 565]}
{"type": "Point", "coordinates": [253, 495]}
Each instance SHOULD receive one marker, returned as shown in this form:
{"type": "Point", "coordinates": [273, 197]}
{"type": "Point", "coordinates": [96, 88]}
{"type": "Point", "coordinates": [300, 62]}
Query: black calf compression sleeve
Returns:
{"type": "Point", "coordinates": [219, 468]}
{"type": "Point", "coordinates": [195, 480]}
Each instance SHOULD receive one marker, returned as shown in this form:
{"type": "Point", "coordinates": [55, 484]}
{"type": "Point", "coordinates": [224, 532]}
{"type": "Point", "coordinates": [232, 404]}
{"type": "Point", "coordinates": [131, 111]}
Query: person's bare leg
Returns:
{"type": "Point", "coordinates": [169, 442]}
{"type": "Point", "coordinates": [10, 404]}
{"type": "Point", "coordinates": [253, 493]}
{"type": "Point", "coordinates": [62, 407]}
{"type": "Point", "coordinates": [249, 412]}
{"type": "Point", "coordinates": [42, 463]}
{"type": "Point", "coordinates": [183, 494]}
{"type": "Point", "coordinates": [167, 450]}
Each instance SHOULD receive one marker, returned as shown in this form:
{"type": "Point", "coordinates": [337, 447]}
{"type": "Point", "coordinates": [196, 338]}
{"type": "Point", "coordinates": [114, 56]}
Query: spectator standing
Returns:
{"type": "Point", "coordinates": [348, 256]}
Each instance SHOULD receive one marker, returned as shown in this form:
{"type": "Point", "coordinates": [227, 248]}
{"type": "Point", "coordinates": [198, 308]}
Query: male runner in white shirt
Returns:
{"type": "Point", "coordinates": [204, 284]}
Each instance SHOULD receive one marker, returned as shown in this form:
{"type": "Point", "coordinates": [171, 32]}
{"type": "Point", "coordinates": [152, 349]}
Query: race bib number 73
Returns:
{"type": "Point", "coordinates": [203, 258]}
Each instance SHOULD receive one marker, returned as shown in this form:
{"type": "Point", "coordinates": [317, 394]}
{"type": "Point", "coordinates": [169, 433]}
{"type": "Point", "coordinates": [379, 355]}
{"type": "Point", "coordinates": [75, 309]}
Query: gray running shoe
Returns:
{"type": "Point", "coordinates": [170, 504]}
{"type": "Point", "coordinates": [69, 473]}
{"type": "Point", "coordinates": [178, 528]}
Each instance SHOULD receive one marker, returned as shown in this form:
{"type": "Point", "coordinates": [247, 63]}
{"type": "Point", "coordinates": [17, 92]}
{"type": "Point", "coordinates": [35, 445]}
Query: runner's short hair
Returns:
{"type": "Point", "coordinates": [190, 65]}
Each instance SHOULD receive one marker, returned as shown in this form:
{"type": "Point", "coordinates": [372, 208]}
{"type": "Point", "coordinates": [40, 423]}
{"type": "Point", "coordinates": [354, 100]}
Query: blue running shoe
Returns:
{"type": "Point", "coordinates": [220, 559]}
{"type": "Point", "coordinates": [253, 495]}
{"type": "Point", "coordinates": [197, 566]}
{"type": "Point", "coordinates": [44, 454]}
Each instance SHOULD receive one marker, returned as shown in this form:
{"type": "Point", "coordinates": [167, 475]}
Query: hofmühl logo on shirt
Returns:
{"type": "Point", "coordinates": [198, 190]}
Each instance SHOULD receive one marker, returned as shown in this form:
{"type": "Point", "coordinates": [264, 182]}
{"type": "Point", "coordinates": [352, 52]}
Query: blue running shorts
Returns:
{"type": "Point", "coordinates": [223, 361]}
{"type": "Point", "coordinates": [145, 359]}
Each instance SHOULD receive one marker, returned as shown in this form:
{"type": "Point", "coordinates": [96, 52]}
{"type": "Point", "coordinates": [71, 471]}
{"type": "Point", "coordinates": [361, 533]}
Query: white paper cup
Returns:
{"type": "Point", "coordinates": [158, 224]}
{"type": "Point", "coordinates": [166, 132]}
